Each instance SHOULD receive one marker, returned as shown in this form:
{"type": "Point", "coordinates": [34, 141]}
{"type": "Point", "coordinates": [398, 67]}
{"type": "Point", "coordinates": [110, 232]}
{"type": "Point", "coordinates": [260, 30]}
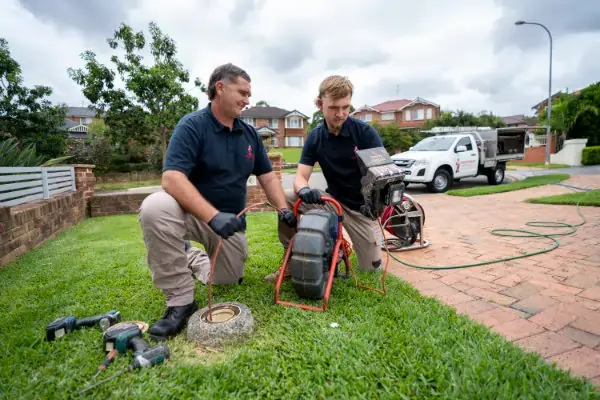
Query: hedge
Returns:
{"type": "Point", "coordinates": [591, 155]}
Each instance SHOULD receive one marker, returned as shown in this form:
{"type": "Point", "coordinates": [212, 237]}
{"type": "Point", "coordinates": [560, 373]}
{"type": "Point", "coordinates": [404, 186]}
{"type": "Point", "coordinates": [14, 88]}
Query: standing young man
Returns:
{"type": "Point", "coordinates": [210, 156]}
{"type": "Point", "coordinates": [333, 144]}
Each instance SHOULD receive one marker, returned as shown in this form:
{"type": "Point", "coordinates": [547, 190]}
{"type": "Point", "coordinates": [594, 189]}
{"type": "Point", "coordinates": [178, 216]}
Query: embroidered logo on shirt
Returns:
{"type": "Point", "coordinates": [250, 153]}
{"type": "Point", "coordinates": [354, 155]}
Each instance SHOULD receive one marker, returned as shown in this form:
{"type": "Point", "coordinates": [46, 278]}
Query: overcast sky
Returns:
{"type": "Point", "coordinates": [463, 54]}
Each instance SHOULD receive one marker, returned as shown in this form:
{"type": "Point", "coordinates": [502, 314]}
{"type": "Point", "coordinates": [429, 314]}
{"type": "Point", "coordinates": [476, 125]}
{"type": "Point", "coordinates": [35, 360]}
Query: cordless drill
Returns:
{"type": "Point", "coordinates": [64, 325]}
{"type": "Point", "coordinates": [119, 340]}
{"type": "Point", "coordinates": [129, 336]}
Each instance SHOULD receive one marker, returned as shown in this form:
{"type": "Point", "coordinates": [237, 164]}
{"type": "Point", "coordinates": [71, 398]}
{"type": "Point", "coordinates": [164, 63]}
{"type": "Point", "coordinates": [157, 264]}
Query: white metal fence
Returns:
{"type": "Point", "coordinates": [19, 185]}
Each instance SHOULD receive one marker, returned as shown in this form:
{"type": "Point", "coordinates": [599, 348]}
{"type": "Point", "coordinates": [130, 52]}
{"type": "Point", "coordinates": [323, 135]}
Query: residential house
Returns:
{"type": "Point", "coordinates": [406, 113]}
{"type": "Point", "coordinates": [282, 127]}
{"type": "Point", "coordinates": [539, 107]}
{"type": "Point", "coordinates": [515, 120]}
{"type": "Point", "coordinates": [77, 121]}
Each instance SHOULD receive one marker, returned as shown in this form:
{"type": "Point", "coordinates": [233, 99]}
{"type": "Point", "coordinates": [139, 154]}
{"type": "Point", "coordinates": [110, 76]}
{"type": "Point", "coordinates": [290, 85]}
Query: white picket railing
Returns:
{"type": "Point", "coordinates": [19, 185]}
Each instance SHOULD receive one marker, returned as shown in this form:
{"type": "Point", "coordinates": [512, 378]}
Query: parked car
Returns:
{"type": "Point", "coordinates": [437, 161]}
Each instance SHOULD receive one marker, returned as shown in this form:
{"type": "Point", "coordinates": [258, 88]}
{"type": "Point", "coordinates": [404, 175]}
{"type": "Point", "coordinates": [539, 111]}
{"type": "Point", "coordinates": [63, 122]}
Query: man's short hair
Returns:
{"type": "Point", "coordinates": [336, 86]}
{"type": "Point", "coordinates": [226, 72]}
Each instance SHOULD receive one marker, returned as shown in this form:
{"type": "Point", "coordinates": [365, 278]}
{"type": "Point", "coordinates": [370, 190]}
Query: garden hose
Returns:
{"type": "Point", "coordinates": [515, 233]}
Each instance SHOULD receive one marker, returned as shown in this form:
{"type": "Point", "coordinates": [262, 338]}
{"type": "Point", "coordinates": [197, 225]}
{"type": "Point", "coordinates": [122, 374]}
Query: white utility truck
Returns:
{"type": "Point", "coordinates": [457, 153]}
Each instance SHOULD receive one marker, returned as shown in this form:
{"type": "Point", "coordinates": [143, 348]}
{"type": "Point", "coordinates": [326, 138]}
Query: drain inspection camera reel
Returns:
{"type": "Point", "coordinates": [318, 247]}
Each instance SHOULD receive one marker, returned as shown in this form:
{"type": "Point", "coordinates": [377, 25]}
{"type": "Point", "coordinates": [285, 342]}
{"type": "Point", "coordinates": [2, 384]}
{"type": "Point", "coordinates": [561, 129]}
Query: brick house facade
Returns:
{"type": "Point", "coordinates": [280, 128]}
{"type": "Point", "coordinates": [404, 112]}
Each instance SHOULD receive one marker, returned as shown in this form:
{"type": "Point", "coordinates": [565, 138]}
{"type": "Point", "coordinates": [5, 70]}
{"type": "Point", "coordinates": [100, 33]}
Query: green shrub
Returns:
{"type": "Point", "coordinates": [591, 155]}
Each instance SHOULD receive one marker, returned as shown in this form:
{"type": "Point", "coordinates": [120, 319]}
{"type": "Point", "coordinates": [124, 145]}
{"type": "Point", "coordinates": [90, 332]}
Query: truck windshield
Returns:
{"type": "Point", "coordinates": [435, 143]}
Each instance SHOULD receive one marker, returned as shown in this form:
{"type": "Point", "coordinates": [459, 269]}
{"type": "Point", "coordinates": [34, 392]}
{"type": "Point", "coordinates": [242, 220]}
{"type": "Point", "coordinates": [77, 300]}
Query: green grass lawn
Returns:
{"type": "Point", "coordinates": [402, 345]}
{"type": "Point", "coordinates": [103, 187]}
{"type": "Point", "coordinates": [588, 198]}
{"type": "Point", "coordinates": [290, 155]}
{"type": "Point", "coordinates": [528, 182]}
{"type": "Point", "coordinates": [536, 165]}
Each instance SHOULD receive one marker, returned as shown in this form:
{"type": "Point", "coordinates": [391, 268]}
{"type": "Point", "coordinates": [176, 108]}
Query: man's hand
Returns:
{"type": "Point", "coordinates": [288, 217]}
{"type": "Point", "coordinates": [226, 224]}
{"type": "Point", "coordinates": [310, 196]}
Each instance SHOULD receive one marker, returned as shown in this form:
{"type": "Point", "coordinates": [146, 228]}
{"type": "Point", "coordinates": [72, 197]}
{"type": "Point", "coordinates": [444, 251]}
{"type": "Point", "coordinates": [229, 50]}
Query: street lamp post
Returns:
{"type": "Point", "coordinates": [549, 88]}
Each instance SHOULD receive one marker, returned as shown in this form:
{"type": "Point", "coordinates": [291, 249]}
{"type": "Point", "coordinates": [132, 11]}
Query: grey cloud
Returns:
{"type": "Point", "coordinates": [362, 59]}
{"type": "Point", "coordinates": [287, 54]}
{"type": "Point", "coordinates": [100, 17]}
{"type": "Point", "coordinates": [561, 17]}
{"type": "Point", "coordinates": [390, 88]}
{"type": "Point", "coordinates": [243, 10]}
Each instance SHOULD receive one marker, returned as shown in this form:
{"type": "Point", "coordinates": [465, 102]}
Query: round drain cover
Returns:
{"type": "Point", "coordinates": [230, 322]}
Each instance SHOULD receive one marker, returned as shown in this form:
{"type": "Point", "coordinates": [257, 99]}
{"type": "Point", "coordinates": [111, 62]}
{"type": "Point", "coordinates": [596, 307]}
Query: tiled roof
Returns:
{"type": "Point", "coordinates": [80, 112]}
{"type": "Point", "coordinates": [514, 119]}
{"type": "Point", "coordinates": [391, 105]}
{"type": "Point", "coordinates": [265, 112]}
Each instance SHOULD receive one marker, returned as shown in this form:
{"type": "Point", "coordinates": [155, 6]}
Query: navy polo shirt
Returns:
{"type": "Point", "coordinates": [337, 158]}
{"type": "Point", "coordinates": [217, 160]}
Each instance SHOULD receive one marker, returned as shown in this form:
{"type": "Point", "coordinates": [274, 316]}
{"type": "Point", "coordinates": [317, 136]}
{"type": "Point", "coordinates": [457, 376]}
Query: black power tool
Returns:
{"type": "Point", "coordinates": [65, 325]}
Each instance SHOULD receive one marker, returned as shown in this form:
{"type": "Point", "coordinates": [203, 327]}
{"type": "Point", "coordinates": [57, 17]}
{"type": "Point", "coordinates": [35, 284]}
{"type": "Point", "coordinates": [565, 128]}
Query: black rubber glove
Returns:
{"type": "Point", "coordinates": [310, 196]}
{"type": "Point", "coordinates": [288, 217]}
{"type": "Point", "coordinates": [226, 224]}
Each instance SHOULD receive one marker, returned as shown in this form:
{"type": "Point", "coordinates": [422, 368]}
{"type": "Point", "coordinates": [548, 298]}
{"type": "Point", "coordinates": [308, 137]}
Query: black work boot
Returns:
{"type": "Point", "coordinates": [172, 322]}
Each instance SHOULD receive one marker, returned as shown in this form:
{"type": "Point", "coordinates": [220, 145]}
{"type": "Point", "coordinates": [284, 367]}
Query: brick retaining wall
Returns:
{"type": "Point", "coordinates": [123, 202]}
{"type": "Point", "coordinates": [26, 226]}
{"type": "Point", "coordinates": [127, 177]}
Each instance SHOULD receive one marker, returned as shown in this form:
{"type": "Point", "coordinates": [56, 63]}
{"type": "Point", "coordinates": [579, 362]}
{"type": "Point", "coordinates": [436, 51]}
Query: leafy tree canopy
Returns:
{"type": "Point", "coordinates": [153, 98]}
{"type": "Point", "coordinates": [26, 114]}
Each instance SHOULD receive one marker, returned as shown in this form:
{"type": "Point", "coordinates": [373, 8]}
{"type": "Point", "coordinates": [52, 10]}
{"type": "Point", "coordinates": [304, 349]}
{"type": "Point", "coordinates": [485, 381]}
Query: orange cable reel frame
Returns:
{"type": "Point", "coordinates": [341, 243]}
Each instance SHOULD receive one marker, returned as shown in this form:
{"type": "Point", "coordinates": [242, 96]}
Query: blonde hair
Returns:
{"type": "Point", "coordinates": [336, 86]}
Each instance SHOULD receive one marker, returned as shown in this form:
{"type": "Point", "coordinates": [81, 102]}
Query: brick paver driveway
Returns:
{"type": "Point", "coordinates": [548, 303]}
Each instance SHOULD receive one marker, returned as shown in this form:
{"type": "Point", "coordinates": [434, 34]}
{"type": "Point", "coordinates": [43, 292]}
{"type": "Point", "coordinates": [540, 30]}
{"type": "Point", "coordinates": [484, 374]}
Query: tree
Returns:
{"type": "Point", "coordinates": [394, 138]}
{"type": "Point", "coordinates": [26, 113]}
{"type": "Point", "coordinates": [576, 116]}
{"type": "Point", "coordinates": [262, 103]}
{"type": "Point", "coordinates": [463, 118]}
{"type": "Point", "coordinates": [154, 98]}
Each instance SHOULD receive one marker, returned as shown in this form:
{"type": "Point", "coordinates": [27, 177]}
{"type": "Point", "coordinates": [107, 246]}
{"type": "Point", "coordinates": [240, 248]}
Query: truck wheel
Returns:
{"type": "Point", "coordinates": [496, 175]}
{"type": "Point", "coordinates": [441, 181]}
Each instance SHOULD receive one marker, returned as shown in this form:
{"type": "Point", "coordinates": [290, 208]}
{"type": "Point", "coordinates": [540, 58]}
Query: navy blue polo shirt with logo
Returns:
{"type": "Point", "coordinates": [337, 158]}
{"type": "Point", "coordinates": [216, 159]}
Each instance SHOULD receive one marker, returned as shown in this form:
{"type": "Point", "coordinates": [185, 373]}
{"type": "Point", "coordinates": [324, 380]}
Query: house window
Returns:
{"type": "Point", "coordinates": [248, 120]}
{"type": "Point", "coordinates": [275, 142]}
{"type": "Point", "coordinates": [85, 121]}
{"type": "Point", "coordinates": [294, 141]}
{"type": "Point", "coordinates": [366, 117]}
{"type": "Point", "coordinates": [418, 115]}
{"type": "Point", "coordinates": [389, 116]}
{"type": "Point", "coordinates": [407, 115]}
{"type": "Point", "coordinates": [293, 123]}
{"type": "Point", "coordinates": [429, 113]}
{"type": "Point", "coordinates": [273, 123]}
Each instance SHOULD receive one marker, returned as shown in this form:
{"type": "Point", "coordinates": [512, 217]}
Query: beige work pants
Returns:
{"type": "Point", "coordinates": [165, 225]}
{"type": "Point", "coordinates": [362, 231]}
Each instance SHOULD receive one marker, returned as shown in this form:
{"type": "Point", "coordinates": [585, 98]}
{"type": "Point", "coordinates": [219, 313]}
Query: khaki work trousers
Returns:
{"type": "Point", "coordinates": [363, 231]}
{"type": "Point", "coordinates": [165, 225]}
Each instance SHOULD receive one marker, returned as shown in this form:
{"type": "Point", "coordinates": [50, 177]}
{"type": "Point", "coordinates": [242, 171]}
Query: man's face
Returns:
{"type": "Point", "coordinates": [335, 112]}
{"type": "Point", "coordinates": [234, 96]}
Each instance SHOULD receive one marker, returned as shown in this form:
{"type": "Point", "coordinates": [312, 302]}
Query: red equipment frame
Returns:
{"type": "Point", "coordinates": [340, 243]}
